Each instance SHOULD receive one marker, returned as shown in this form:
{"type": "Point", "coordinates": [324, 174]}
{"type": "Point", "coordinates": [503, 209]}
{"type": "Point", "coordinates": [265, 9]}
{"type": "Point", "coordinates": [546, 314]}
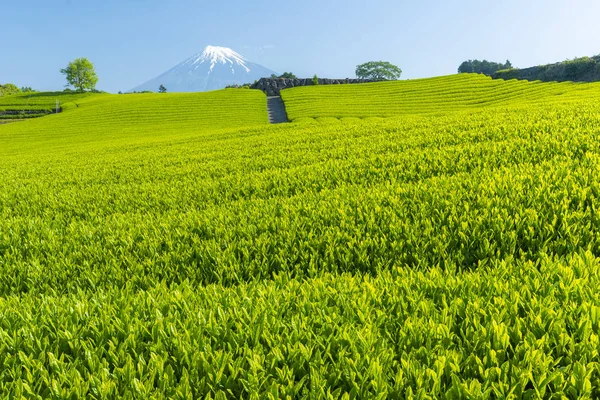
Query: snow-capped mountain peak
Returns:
{"type": "Point", "coordinates": [214, 68]}
{"type": "Point", "coordinates": [222, 55]}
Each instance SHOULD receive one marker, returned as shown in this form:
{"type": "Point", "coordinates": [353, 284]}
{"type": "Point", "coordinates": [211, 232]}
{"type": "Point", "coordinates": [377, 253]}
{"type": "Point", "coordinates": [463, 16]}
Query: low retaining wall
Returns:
{"type": "Point", "coordinates": [274, 86]}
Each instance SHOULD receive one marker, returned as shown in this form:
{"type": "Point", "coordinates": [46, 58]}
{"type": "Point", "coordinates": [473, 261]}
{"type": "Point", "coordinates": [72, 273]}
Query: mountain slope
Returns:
{"type": "Point", "coordinates": [214, 68]}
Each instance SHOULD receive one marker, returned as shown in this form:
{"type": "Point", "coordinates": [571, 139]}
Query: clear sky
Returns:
{"type": "Point", "coordinates": [131, 41]}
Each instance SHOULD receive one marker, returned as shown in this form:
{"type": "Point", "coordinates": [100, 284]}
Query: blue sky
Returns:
{"type": "Point", "coordinates": [131, 41]}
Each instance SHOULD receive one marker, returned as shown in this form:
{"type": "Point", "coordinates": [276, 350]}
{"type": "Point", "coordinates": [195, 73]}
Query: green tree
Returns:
{"type": "Point", "coordinates": [482, 67]}
{"type": "Point", "coordinates": [315, 80]}
{"type": "Point", "coordinates": [285, 75]}
{"type": "Point", "coordinates": [162, 89]}
{"type": "Point", "coordinates": [9, 88]}
{"type": "Point", "coordinates": [378, 70]}
{"type": "Point", "coordinates": [80, 73]}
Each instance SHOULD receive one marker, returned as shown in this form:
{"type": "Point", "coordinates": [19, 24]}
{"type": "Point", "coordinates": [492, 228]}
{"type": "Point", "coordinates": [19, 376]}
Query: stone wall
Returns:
{"type": "Point", "coordinates": [274, 86]}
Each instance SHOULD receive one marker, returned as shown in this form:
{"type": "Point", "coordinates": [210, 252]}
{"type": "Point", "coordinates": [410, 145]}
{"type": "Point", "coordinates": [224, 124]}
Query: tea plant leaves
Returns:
{"type": "Point", "coordinates": [202, 253]}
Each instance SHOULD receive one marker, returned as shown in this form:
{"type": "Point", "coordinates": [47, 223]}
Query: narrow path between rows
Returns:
{"type": "Point", "coordinates": [277, 113]}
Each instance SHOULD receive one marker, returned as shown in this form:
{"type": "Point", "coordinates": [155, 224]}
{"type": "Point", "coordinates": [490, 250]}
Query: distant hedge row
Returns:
{"type": "Point", "coordinates": [585, 69]}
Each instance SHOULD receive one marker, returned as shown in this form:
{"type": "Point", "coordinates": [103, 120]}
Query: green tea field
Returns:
{"type": "Point", "coordinates": [463, 92]}
{"type": "Point", "coordinates": [27, 105]}
{"type": "Point", "coordinates": [435, 238]}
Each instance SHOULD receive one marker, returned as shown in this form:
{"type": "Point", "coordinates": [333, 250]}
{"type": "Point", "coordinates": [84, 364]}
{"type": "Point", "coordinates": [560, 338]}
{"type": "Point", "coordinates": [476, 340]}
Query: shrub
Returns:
{"type": "Point", "coordinates": [575, 69]}
{"type": "Point", "coordinates": [285, 75]}
{"type": "Point", "coordinates": [236, 86]}
{"type": "Point", "coordinates": [506, 74]}
{"type": "Point", "coordinates": [483, 67]}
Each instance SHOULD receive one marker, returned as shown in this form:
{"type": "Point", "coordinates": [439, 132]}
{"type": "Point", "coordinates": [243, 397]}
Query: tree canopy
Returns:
{"type": "Point", "coordinates": [162, 89]}
{"type": "Point", "coordinates": [378, 70]}
{"type": "Point", "coordinates": [9, 88]}
{"type": "Point", "coordinates": [286, 75]}
{"type": "Point", "coordinates": [482, 67]}
{"type": "Point", "coordinates": [80, 74]}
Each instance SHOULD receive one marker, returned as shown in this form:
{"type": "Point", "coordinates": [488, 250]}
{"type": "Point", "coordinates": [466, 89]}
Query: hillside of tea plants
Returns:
{"type": "Point", "coordinates": [462, 92]}
{"type": "Point", "coordinates": [31, 105]}
{"type": "Point", "coordinates": [178, 246]}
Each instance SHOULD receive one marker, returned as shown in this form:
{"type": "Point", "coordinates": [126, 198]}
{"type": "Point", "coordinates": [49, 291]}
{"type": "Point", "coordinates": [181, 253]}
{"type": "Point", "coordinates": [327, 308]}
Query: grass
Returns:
{"type": "Point", "coordinates": [187, 255]}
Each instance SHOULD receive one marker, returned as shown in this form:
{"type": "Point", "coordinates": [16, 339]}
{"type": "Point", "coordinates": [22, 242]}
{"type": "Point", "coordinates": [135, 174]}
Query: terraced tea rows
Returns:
{"type": "Point", "coordinates": [522, 329]}
{"type": "Point", "coordinates": [224, 199]}
{"type": "Point", "coordinates": [448, 255]}
{"type": "Point", "coordinates": [109, 119]}
{"type": "Point", "coordinates": [461, 92]}
{"type": "Point", "coordinates": [29, 105]}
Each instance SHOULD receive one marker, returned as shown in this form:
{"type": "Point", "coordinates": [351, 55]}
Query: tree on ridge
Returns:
{"type": "Point", "coordinates": [378, 70]}
{"type": "Point", "coordinates": [80, 74]}
{"type": "Point", "coordinates": [482, 67]}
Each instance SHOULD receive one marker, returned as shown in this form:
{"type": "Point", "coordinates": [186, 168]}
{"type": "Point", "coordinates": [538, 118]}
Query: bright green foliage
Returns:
{"type": "Point", "coordinates": [378, 70]}
{"type": "Point", "coordinates": [101, 116]}
{"type": "Point", "coordinates": [178, 246]}
{"type": "Point", "coordinates": [45, 101]}
{"type": "Point", "coordinates": [518, 330]}
{"type": "Point", "coordinates": [138, 204]}
{"type": "Point", "coordinates": [8, 89]}
{"type": "Point", "coordinates": [80, 74]}
{"type": "Point", "coordinates": [31, 105]}
{"type": "Point", "coordinates": [463, 92]}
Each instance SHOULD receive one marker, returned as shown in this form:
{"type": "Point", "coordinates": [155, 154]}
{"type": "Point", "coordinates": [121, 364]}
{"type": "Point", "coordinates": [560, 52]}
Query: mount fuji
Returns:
{"type": "Point", "coordinates": [214, 68]}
